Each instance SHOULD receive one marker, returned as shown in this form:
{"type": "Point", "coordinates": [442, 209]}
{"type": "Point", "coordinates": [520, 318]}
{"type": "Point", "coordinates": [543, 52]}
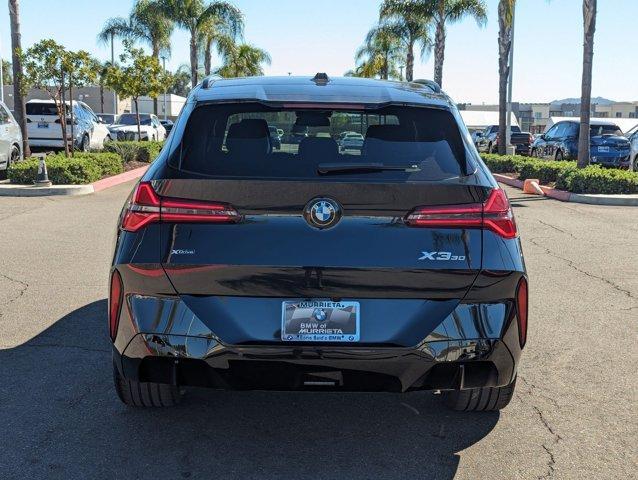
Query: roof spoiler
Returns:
{"type": "Point", "coordinates": [208, 81]}
{"type": "Point", "coordinates": [431, 84]}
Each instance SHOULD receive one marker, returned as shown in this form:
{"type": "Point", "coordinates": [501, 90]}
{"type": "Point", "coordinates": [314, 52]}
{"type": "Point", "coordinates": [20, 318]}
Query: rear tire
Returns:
{"type": "Point", "coordinates": [14, 156]}
{"type": "Point", "coordinates": [481, 399]}
{"type": "Point", "coordinates": [145, 394]}
{"type": "Point", "coordinates": [85, 144]}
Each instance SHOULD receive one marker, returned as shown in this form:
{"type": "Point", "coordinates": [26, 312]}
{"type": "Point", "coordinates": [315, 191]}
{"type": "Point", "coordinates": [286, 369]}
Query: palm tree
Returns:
{"type": "Point", "coordinates": [18, 88]}
{"type": "Point", "coordinates": [450, 11]}
{"type": "Point", "coordinates": [146, 24]}
{"type": "Point", "coordinates": [380, 53]}
{"type": "Point", "coordinates": [589, 28]}
{"type": "Point", "coordinates": [505, 18]}
{"type": "Point", "coordinates": [194, 15]}
{"type": "Point", "coordinates": [411, 25]}
{"type": "Point", "coordinates": [243, 61]}
{"type": "Point", "coordinates": [212, 33]}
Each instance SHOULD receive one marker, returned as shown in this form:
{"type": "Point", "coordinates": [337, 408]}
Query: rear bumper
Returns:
{"type": "Point", "coordinates": [161, 340]}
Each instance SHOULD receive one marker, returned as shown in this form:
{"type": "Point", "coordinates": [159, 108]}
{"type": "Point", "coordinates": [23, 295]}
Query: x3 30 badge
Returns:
{"type": "Point", "coordinates": [441, 256]}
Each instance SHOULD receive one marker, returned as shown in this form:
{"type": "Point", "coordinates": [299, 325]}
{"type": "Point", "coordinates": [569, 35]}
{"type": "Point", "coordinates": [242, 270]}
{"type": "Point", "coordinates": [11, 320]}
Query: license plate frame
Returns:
{"type": "Point", "coordinates": [319, 320]}
{"type": "Point", "coordinates": [43, 124]}
{"type": "Point", "coordinates": [604, 149]}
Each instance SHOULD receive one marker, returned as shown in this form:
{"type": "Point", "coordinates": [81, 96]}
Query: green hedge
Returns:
{"type": "Point", "coordinates": [135, 151]}
{"type": "Point", "coordinates": [592, 179]}
{"type": "Point", "coordinates": [80, 169]}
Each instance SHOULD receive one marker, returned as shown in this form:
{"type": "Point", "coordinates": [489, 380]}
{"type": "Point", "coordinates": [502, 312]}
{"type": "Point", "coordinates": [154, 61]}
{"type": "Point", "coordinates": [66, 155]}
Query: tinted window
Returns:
{"type": "Point", "coordinates": [571, 130]}
{"type": "Point", "coordinates": [131, 119]}
{"type": "Point", "coordinates": [596, 130]}
{"type": "Point", "coordinates": [4, 115]}
{"type": "Point", "coordinates": [41, 109]}
{"type": "Point", "coordinates": [234, 141]}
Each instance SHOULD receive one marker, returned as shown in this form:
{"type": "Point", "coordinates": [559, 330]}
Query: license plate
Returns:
{"type": "Point", "coordinates": [43, 125]}
{"type": "Point", "coordinates": [319, 321]}
{"type": "Point", "coordinates": [603, 149]}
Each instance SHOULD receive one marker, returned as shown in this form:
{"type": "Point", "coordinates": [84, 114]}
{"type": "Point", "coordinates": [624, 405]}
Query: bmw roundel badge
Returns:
{"type": "Point", "coordinates": [322, 212]}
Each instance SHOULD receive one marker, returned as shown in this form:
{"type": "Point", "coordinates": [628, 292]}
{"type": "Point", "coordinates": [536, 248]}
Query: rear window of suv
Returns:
{"type": "Point", "coordinates": [398, 143]}
{"type": "Point", "coordinates": [41, 109]}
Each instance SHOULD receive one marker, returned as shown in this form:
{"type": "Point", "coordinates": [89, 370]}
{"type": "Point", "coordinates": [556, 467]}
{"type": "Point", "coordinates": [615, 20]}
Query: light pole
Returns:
{"type": "Point", "coordinates": [508, 115]}
{"type": "Point", "coordinates": [164, 66]}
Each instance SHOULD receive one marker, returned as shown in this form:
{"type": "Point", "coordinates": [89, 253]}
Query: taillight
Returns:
{"type": "Point", "coordinates": [148, 207]}
{"type": "Point", "coordinates": [115, 303]}
{"type": "Point", "coordinates": [521, 310]}
{"type": "Point", "coordinates": [495, 215]}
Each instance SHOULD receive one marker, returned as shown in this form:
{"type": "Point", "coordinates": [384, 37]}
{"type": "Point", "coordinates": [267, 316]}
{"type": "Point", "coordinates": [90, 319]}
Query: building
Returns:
{"type": "Point", "coordinates": [617, 110]}
{"type": "Point", "coordinates": [101, 101]}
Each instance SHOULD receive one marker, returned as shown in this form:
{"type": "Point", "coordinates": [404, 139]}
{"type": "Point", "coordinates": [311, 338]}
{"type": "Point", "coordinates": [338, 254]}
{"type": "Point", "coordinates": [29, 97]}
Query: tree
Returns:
{"type": "Point", "coordinates": [194, 15]}
{"type": "Point", "coordinates": [450, 11]}
{"type": "Point", "coordinates": [80, 70]}
{"type": "Point", "coordinates": [411, 25]}
{"type": "Point", "coordinates": [139, 75]}
{"type": "Point", "coordinates": [180, 81]}
{"type": "Point", "coordinates": [379, 55]}
{"type": "Point", "coordinates": [243, 61]}
{"type": "Point", "coordinates": [213, 33]}
{"type": "Point", "coordinates": [19, 87]}
{"type": "Point", "coordinates": [589, 28]}
{"type": "Point", "coordinates": [505, 18]}
{"type": "Point", "coordinates": [43, 69]}
{"type": "Point", "coordinates": [146, 23]}
{"type": "Point", "coordinates": [7, 75]}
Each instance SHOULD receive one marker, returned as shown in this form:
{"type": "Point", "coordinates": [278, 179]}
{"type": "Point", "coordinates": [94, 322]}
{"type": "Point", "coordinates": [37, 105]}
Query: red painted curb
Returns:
{"type": "Point", "coordinates": [512, 182]}
{"type": "Point", "coordinates": [118, 179]}
{"type": "Point", "coordinates": [550, 192]}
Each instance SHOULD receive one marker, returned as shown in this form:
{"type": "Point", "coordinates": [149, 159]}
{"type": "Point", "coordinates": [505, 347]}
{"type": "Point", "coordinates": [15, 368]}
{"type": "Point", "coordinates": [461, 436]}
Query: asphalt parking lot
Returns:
{"type": "Point", "coordinates": [574, 415]}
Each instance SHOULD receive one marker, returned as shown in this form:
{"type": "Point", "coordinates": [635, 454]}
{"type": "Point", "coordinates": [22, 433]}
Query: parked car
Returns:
{"type": "Point", "coordinates": [488, 140]}
{"type": "Point", "coordinates": [107, 118]}
{"type": "Point", "coordinates": [44, 129]}
{"type": "Point", "coordinates": [275, 140]}
{"type": "Point", "coordinates": [632, 135]}
{"type": "Point", "coordinates": [10, 140]}
{"type": "Point", "coordinates": [239, 267]}
{"type": "Point", "coordinates": [168, 125]}
{"type": "Point", "coordinates": [351, 141]}
{"type": "Point", "coordinates": [608, 146]}
{"type": "Point", "coordinates": [126, 127]}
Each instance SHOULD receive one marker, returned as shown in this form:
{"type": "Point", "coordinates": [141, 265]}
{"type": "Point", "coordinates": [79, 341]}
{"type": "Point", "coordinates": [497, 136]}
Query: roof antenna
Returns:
{"type": "Point", "coordinates": [321, 78]}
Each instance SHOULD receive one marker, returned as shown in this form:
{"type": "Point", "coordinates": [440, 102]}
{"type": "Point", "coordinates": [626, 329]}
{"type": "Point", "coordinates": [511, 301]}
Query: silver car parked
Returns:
{"type": "Point", "coordinates": [10, 140]}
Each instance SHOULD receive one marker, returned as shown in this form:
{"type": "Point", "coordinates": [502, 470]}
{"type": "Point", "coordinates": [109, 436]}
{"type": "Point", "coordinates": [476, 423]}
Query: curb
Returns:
{"type": "Point", "coordinates": [109, 182]}
{"type": "Point", "coordinates": [563, 196]}
{"type": "Point", "coordinates": [10, 190]}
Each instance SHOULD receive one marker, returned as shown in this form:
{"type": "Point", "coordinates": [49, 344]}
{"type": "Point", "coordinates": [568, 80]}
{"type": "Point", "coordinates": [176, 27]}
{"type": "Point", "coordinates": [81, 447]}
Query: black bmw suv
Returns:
{"type": "Point", "coordinates": [396, 267]}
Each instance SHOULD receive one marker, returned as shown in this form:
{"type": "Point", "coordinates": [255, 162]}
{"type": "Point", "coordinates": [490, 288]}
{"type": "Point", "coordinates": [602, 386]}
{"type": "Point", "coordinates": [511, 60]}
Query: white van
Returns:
{"type": "Point", "coordinates": [44, 129]}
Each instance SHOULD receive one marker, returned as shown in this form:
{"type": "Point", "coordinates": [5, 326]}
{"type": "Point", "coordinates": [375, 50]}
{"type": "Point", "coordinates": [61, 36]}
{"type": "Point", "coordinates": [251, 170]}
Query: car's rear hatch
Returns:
{"type": "Point", "coordinates": [43, 121]}
{"type": "Point", "coordinates": [238, 238]}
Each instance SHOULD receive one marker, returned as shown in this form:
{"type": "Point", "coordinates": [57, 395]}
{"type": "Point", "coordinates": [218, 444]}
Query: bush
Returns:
{"type": "Point", "coordinates": [594, 179]}
{"type": "Point", "coordinates": [546, 171]}
{"type": "Point", "coordinates": [146, 151]}
{"type": "Point", "coordinates": [80, 169]}
{"type": "Point", "coordinates": [503, 163]}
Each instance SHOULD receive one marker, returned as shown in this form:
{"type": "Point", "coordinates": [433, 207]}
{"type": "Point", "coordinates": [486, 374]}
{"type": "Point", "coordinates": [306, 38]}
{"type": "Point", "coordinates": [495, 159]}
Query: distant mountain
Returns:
{"type": "Point", "coordinates": [597, 100]}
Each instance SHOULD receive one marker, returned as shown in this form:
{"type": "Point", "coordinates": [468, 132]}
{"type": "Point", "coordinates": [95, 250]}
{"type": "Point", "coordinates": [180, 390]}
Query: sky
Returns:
{"type": "Point", "coordinates": [308, 36]}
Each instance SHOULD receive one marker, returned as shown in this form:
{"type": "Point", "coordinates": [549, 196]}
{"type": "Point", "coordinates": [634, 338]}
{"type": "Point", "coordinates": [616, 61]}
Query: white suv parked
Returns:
{"type": "Point", "coordinates": [44, 129]}
{"type": "Point", "coordinates": [10, 140]}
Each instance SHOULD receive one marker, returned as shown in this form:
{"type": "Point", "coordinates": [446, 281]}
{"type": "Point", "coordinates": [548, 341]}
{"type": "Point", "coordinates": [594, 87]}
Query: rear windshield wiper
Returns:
{"type": "Point", "coordinates": [328, 168]}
